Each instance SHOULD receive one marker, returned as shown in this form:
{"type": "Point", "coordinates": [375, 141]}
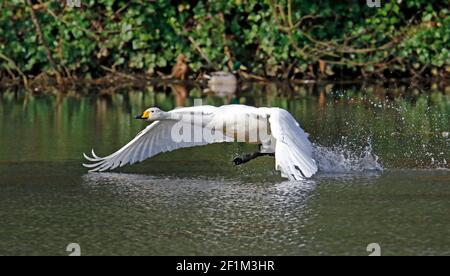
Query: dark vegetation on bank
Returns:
{"type": "Point", "coordinates": [110, 40]}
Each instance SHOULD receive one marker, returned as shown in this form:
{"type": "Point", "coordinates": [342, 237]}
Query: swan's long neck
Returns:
{"type": "Point", "coordinates": [188, 117]}
{"type": "Point", "coordinates": [170, 116]}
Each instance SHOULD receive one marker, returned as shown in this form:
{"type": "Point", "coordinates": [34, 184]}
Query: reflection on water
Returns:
{"type": "Point", "coordinates": [223, 88]}
{"type": "Point", "coordinates": [227, 217]}
{"type": "Point", "coordinates": [382, 151]}
{"type": "Point", "coordinates": [179, 91]}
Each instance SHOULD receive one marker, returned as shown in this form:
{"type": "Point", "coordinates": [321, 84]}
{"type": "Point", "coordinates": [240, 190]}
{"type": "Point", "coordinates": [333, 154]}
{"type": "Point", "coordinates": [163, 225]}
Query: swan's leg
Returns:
{"type": "Point", "coordinates": [249, 156]}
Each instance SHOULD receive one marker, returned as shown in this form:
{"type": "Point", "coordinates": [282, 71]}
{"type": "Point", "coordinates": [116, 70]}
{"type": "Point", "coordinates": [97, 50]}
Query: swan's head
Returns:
{"type": "Point", "coordinates": [151, 114]}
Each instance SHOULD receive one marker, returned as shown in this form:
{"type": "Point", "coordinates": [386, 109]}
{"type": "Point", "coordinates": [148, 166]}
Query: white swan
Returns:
{"type": "Point", "coordinates": [274, 129]}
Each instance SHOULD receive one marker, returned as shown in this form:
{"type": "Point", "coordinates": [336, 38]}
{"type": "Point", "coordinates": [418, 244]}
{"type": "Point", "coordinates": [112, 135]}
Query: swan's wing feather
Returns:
{"type": "Point", "coordinates": [154, 139]}
{"type": "Point", "coordinates": [293, 150]}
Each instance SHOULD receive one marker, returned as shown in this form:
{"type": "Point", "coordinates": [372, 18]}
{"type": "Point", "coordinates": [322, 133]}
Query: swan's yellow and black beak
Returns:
{"type": "Point", "coordinates": [144, 116]}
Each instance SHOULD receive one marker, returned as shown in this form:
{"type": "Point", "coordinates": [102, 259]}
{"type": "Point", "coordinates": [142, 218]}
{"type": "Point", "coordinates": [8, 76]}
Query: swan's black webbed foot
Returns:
{"type": "Point", "coordinates": [244, 158]}
{"type": "Point", "coordinates": [239, 160]}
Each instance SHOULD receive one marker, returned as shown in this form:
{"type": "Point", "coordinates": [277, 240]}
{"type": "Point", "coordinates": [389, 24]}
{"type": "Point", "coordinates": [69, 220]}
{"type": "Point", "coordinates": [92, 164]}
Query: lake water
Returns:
{"type": "Point", "coordinates": [384, 177]}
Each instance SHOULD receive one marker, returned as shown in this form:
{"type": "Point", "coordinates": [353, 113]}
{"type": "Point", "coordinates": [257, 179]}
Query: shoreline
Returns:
{"type": "Point", "coordinates": [121, 80]}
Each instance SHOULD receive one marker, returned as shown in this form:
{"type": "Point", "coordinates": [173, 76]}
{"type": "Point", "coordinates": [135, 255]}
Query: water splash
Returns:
{"type": "Point", "coordinates": [341, 159]}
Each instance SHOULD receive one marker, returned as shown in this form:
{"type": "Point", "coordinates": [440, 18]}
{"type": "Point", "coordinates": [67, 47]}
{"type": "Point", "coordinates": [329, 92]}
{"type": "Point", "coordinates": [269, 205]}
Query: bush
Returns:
{"type": "Point", "coordinates": [279, 39]}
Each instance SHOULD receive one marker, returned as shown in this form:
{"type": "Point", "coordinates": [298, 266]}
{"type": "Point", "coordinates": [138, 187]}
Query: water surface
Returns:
{"type": "Point", "coordinates": [384, 177]}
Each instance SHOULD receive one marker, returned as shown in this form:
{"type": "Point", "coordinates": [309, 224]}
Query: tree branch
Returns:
{"type": "Point", "coordinates": [43, 41]}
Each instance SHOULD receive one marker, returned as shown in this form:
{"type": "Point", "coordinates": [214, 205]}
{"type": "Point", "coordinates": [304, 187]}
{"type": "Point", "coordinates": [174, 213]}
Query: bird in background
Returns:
{"type": "Point", "coordinates": [221, 78]}
{"type": "Point", "coordinates": [181, 68]}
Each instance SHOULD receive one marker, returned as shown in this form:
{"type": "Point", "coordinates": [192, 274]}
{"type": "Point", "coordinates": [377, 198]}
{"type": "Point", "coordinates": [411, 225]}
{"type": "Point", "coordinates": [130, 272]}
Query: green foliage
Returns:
{"type": "Point", "coordinates": [283, 39]}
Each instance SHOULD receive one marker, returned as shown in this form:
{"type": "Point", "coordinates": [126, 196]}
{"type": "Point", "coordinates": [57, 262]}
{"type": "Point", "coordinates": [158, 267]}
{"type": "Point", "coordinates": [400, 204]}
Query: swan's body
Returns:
{"type": "Point", "coordinates": [274, 129]}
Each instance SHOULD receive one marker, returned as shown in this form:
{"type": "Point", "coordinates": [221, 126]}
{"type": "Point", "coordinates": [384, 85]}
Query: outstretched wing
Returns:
{"type": "Point", "coordinates": [154, 139]}
{"type": "Point", "coordinates": [293, 150]}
